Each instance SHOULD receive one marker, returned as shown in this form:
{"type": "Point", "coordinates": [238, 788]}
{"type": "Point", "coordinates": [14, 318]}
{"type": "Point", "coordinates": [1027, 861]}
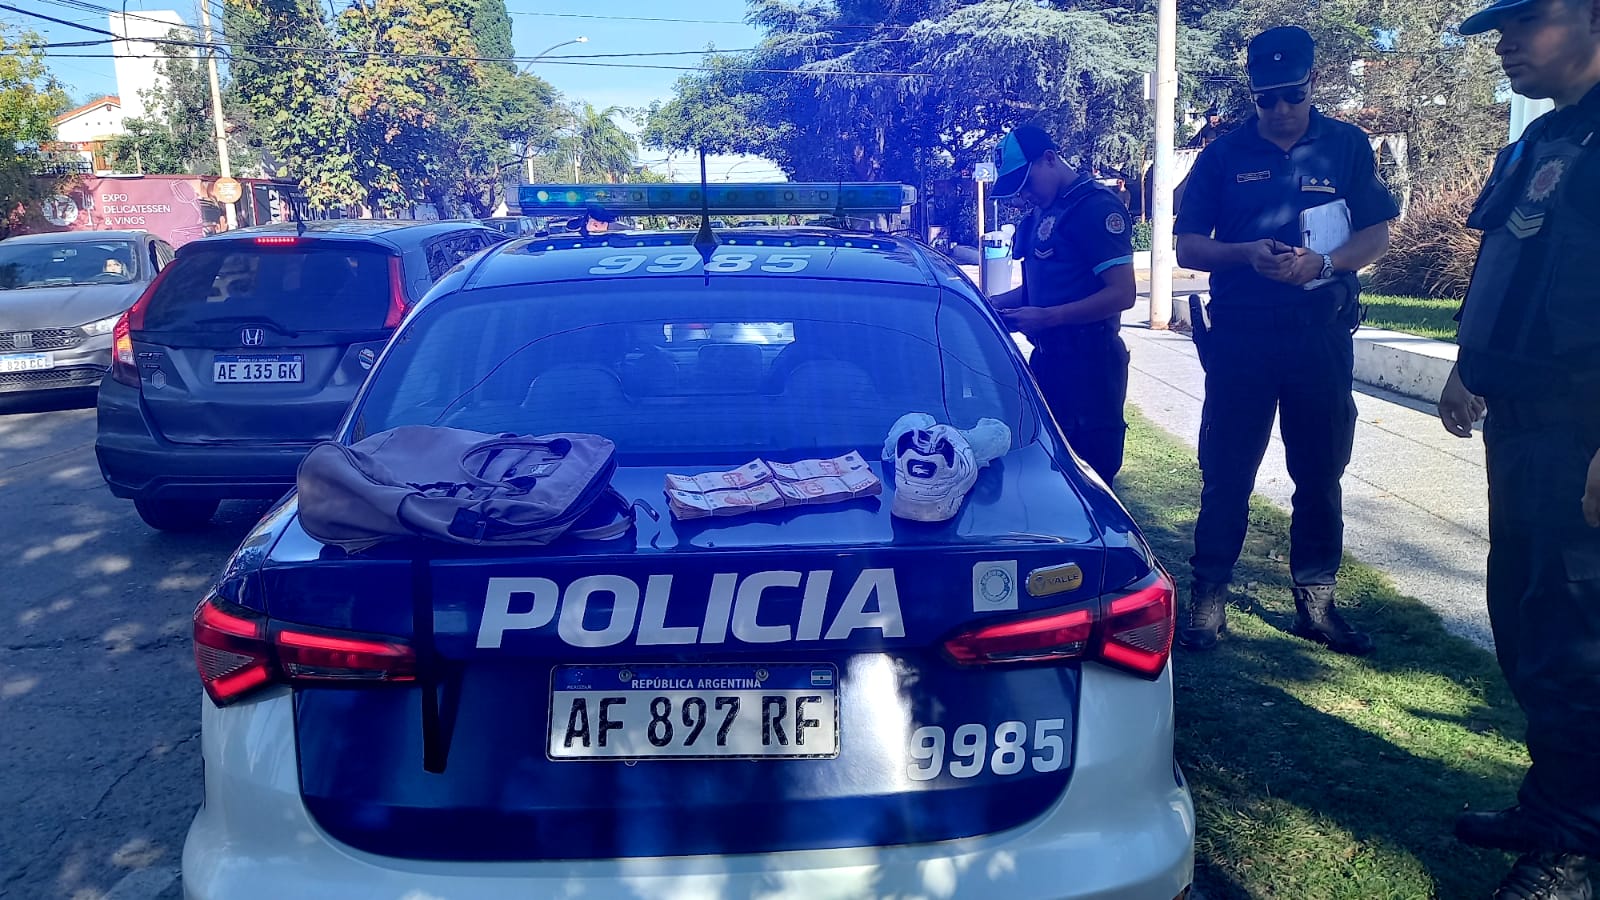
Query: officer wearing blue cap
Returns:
{"type": "Point", "coordinates": [1077, 278]}
{"type": "Point", "coordinates": [596, 219]}
{"type": "Point", "coordinates": [1529, 342]}
{"type": "Point", "coordinates": [1279, 341]}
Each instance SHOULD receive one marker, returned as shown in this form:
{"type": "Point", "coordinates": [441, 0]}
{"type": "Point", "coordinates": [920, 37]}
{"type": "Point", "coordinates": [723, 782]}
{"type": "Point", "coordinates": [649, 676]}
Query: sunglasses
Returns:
{"type": "Point", "coordinates": [1291, 96]}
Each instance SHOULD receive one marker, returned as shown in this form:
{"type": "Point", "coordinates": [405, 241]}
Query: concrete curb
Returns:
{"type": "Point", "coordinates": [1413, 367]}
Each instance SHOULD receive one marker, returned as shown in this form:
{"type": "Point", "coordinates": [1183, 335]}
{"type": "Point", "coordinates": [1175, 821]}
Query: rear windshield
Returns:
{"type": "Point", "coordinates": [671, 370]}
{"type": "Point", "coordinates": [329, 287]}
{"type": "Point", "coordinates": [26, 264]}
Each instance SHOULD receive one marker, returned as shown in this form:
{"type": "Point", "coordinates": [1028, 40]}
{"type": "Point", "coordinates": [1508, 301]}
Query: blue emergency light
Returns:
{"type": "Point", "coordinates": [859, 198]}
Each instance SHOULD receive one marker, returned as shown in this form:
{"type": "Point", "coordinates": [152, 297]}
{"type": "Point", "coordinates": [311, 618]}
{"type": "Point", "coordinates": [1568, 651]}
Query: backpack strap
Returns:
{"type": "Point", "coordinates": [435, 736]}
{"type": "Point", "coordinates": [623, 518]}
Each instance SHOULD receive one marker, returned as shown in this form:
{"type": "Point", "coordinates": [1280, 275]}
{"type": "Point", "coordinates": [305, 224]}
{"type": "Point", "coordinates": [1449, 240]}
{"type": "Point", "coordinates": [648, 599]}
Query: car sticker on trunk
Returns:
{"type": "Point", "coordinates": [994, 586]}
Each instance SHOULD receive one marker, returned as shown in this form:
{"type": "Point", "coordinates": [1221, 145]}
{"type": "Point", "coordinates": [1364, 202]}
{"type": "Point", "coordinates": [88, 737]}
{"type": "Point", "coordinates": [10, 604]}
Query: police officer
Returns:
{"type": "Point", "coordinates": [596, 219]}
{"type": "Point", "coordinates": [1278, 343]}
{"type": "Point", "coordinates": [1077, 278]}
{"type": "Point", "coordinates": [1529, 341]}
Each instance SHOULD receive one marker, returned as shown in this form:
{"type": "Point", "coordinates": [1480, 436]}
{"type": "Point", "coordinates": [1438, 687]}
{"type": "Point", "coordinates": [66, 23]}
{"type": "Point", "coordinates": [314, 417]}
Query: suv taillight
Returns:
{"type": "Point", "coordinates": [397, 294]}
{"type": "Point", "coordinates": [1131, 630]}
{"type": "Point", "coordinates": [124, 367]}
{"type": "Point", "coordinates": [239, 651]}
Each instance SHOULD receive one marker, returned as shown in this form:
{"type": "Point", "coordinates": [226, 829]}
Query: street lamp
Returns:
{"type": "Point", "coordinates": [546, 51]}
{"type": "Point", "coordinates": [527, 147]}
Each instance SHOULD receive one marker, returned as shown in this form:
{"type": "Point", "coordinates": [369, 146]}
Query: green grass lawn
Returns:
{"type": "Point", "coordinates": [1316, 776]}
{"type": "Point", "coordinates": [1413, 315]}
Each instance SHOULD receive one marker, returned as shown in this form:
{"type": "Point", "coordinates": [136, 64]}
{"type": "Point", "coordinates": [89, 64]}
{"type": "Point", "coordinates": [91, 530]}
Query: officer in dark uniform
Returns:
{"type": "Point", "coordinates": [1077, 278]}
{"type": "Point", "coordinates": [595, 220]}
{"type": "Point", "coordinates": [1530, 350]}
{"type": "Point", "coordinates": [1277, 342]}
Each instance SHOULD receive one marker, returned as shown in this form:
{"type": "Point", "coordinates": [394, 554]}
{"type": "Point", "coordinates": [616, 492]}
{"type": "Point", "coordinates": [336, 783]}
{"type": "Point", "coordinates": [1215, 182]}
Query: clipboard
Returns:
{"type": "Point", "coordinates": [1324, 229]}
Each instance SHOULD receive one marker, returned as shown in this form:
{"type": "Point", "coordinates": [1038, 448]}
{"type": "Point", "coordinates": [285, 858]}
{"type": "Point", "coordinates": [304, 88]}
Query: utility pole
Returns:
{"type": "Point", "coordinates": [216, 107]}
{"type": "Point", "coordinates": [1161, 252]}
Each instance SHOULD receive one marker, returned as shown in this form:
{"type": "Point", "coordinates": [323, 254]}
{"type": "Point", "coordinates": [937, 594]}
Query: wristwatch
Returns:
{"type": "Point", "coordinates": [1327, 266]}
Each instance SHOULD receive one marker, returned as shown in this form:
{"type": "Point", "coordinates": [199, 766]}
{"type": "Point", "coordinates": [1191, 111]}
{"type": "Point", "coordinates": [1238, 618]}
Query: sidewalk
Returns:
{"type": "Point", "coordinates": [1416, 505]}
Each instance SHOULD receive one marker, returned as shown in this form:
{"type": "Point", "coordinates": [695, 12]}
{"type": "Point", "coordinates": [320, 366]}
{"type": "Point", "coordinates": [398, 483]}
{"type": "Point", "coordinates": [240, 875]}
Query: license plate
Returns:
{"type": "Point", "coordinates": [781, 711]}
{"type": "Point", "coordinates": [27, 362]}
{"type": "Point", "coordinates": [237, 369]}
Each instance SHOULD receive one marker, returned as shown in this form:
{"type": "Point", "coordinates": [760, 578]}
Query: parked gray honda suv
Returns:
{"type": "Point", "coordinates": [246, 351]}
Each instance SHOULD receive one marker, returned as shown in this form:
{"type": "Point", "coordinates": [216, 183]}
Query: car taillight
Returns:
{"type": "Point", "coordinates": [122, 365]}
{"type": "Point", "coordinates": [278, 240]}
{"type": "Point", "coordinates": [1131, 630]}
{"type": "Point", "coordinates": [238, 651]}
{"type": "Point", "coordinates": [397, 294]}
{"type": "Point", "coordinates": [1137, 629]}
{"type": "Point", "coordinates": [124, 368]}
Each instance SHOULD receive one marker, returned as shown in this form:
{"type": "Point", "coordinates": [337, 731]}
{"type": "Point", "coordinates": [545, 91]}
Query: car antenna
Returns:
{"type": "Point", "coordinates": [299, 220]}
{"type": "Point", "coordinates": [706, 240]}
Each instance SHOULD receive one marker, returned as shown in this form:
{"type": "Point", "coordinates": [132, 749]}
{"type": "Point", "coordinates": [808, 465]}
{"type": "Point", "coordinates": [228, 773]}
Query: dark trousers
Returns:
{"type": "Point", "coordinates": [1258, 364]}
{"type": "Point", "coordinates": [1544, 605]}
{"type": "Point", "coordinates": [1084, 380]}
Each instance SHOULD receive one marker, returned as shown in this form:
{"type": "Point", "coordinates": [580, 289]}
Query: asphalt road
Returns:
{"type": "Point", "coordinates": [99, 702]}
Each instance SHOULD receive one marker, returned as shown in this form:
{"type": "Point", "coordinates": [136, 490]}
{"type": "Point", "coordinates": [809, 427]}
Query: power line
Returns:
{"type": "Point", "coordinates": [555, 62]}
{"type": "Point", "coordinates": [676, 21]}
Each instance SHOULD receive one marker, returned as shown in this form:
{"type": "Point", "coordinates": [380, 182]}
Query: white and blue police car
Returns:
{"type": "Point", "coordinates": [807, 703]}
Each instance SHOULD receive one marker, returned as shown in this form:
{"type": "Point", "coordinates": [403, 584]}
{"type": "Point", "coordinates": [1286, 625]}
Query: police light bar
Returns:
{"type": "Point", "coordinates": [724, 199]}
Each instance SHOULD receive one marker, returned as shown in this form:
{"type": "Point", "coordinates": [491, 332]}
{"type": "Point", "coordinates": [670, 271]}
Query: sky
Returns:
{"type": "Point", "coordinates": [616, 26]}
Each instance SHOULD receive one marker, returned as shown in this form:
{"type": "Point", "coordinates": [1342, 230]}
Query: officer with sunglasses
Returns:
{"type": "Point", "coordinates": [1530, 355]}
{"type": "Point", "coordinates": [1279, 340]}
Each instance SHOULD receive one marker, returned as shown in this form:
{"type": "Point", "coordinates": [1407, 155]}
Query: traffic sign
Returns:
{"type": "Point", "coordinates": [984, 172]}
{"type": "Point", "coordinates": [227, 190]}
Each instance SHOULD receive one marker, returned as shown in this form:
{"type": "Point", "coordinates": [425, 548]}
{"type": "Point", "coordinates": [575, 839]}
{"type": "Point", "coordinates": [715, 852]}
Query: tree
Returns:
{"type": "Point", "coordinates": [296, 99]}
{"type": "Point", "coordinates": [390, 102]}
{"type": "Point", "coordinates": [30, 99]}
{"type": "Point", "coordinates": [593, 148]}
{"type": "Point", "coordinates": [491, 29]}
{"type": "Point", "coordinates": [177, 136]}
{"type": "Point", "coordinates": [912, 91]}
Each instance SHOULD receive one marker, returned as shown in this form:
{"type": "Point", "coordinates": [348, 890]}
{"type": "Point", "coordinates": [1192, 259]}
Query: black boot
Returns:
{"type": "Point", "coordinates": [1207, 616]}
{"type": "Point", "coordinates": [1506, 829]}
{"type": "Point", "coordinates": [1316, 620]}
{"type": "Point", "coordinates": [1547, 876]}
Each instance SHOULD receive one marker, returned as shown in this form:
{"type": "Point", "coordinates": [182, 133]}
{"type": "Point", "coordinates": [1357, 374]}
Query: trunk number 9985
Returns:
{"type": "Point", "coordinates": [970, 749]}
{"type": "Point", "coordinates": [774, 261]}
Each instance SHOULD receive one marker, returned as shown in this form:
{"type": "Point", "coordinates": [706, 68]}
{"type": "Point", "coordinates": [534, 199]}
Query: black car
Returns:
{"type": "Point", "coordinates": [246, 350]}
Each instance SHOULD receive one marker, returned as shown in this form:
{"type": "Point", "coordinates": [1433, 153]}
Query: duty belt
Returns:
{"type": "Point", "coordinates": [1313, 314]}
{"type": "Point", "coordinates": [1545, 412]}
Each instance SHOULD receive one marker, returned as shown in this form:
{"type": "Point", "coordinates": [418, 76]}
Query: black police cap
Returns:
{"type": "Point", "coordinates": [1280, 57]}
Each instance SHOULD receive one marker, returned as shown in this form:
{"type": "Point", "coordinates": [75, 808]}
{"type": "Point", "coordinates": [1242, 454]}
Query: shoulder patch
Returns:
{"type": "Point", "coordinates": [1545, 181]}
{"type": "Point", "coordinates": [1047, 225]}
{"type": "Point", "coordinates": [1116, 223]}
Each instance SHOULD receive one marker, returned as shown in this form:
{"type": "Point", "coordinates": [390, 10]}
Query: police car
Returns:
{"type": "Point", "coordinates": [824, 701]}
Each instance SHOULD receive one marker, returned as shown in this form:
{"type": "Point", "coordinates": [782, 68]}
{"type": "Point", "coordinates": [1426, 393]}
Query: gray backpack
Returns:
{"type": "Point", "coordinates": [461, 487]}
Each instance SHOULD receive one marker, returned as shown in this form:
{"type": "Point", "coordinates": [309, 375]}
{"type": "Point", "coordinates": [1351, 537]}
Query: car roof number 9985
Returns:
{"type": "Point", "coordinates": [726, 261]}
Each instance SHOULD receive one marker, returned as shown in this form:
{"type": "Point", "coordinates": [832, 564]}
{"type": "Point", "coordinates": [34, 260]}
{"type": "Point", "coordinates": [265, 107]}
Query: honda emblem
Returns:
{"type": "Point", "coordinates": [22, 340]}
{"type": "Point", "coordinates": [252, 337]}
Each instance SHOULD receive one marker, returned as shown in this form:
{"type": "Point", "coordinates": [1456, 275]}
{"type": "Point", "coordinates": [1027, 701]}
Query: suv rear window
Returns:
{"type": "Point", "coordinates": [731, 369]}
{"type": "Point", "coordinates": [328, 287]}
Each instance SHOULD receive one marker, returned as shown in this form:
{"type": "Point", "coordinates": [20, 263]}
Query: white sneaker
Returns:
{"type": "Point", "coordinates": [934, 469]}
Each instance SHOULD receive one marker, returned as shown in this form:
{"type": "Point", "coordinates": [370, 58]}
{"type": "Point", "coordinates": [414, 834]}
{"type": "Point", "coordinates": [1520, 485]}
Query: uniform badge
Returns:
{"type": "Point", "coordinates": [1047, 225]}
{"type": "Point", "coordinates": [1546, 179]}
{"type": "Point", "coordinates": [1116, 224]}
